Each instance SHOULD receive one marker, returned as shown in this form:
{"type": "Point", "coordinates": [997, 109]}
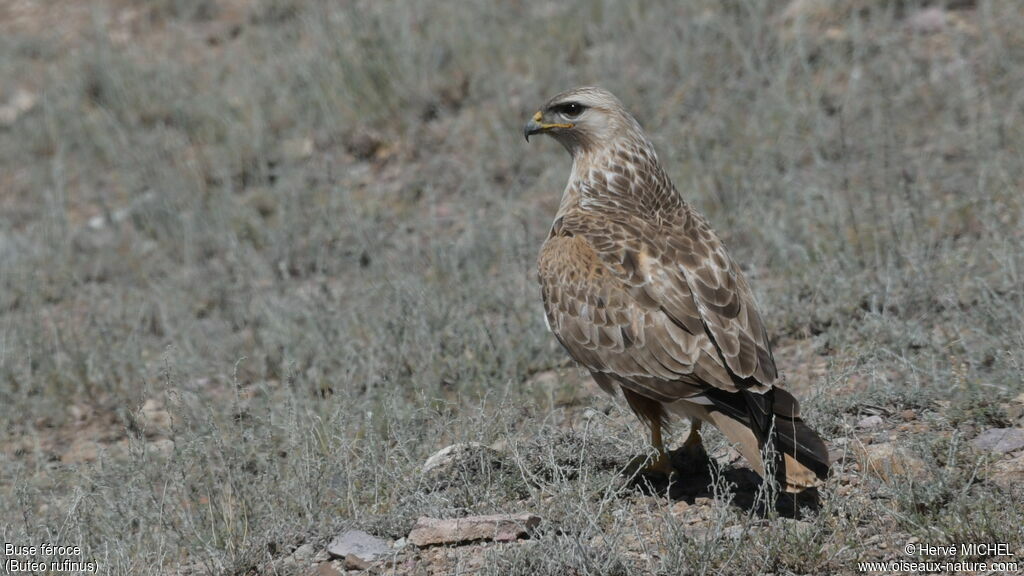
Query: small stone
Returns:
{"type": "Point", "coordinates": [325, 569]}
{"type": "Point", "coordinates": [79, 412]}
{"type": "Point", "coordinates": [908, 415]}
{"type": "Point", "coordinates": [888, 462]}
{"type": "Point", "coordinates": [400, 543]}
{"type": "Point", "coordinates": [1000, 440]}
{"type": "Point", "coordinates": [358, 544]}
{"type": "Point", "coordinates": [702, 501]}
{"type": "Point", "coordinates": [498, 527]}
{"type": "Point", "coordinates": [353, 562]}
{"type": "Point", "coordinates": [733, 532]}
{"type": "Point", "coordinates": [21, 102]}
{"type": "Point", "coordinates": [680, 508]}
{"type": "Point", "coordinates": [870, 422]}
{"type": "Point", "coordinates": [304, 553]}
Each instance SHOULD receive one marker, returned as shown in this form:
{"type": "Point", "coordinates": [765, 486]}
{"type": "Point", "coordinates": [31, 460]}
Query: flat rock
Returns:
{"type": "Point", "coordinates": [1000, 440]}
{"type": "Point", "coordinates": [498, 527]}
{"type": "Point", "coordinates": [888, 462]}
{"type": "Point", "coordinates": [359, 546]}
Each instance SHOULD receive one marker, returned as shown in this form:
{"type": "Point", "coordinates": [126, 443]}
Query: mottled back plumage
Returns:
{"type": "Point", "coordinates": [640, 290]}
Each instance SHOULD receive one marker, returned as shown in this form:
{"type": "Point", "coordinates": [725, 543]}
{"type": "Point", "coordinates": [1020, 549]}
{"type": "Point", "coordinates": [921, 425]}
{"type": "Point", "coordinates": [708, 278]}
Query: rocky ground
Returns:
{"type": "Point", "coordinates": [871, 459]}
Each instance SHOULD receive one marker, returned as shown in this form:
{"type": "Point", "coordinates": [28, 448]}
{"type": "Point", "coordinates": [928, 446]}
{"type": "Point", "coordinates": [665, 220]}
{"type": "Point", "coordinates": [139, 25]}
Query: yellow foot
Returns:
{"type": "Point", "coordinates": [660, 467]}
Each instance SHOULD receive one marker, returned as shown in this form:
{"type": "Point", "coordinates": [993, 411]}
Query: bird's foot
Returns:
{"type": "Point", "coordinates": [691, 456]}
{"type": "Point", "coordinates": [643, 467]}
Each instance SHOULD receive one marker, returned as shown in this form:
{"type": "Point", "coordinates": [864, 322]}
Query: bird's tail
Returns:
{"type": "Point", "coordinates": [749, 420]}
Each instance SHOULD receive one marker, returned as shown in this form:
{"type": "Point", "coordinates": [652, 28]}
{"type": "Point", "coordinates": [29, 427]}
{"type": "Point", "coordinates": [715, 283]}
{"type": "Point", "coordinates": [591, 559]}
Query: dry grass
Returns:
{"type": "Point", "coordinates": [305, 232]}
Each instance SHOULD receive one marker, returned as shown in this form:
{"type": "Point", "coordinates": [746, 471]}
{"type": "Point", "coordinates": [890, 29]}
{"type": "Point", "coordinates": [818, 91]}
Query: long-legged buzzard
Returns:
{"type": "Point", "coordinates": [640, 290]}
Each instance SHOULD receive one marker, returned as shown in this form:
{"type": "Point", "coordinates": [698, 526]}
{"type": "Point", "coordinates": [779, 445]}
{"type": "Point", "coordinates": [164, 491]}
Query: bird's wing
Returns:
{"type": "Point", "coordinates": [619, 297]}
{"type": "Point", "coordinates": [723, 298]}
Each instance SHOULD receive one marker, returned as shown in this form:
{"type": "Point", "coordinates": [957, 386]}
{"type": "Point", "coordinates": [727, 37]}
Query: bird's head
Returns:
{"type": "Point", "coordinates": [582, 119]}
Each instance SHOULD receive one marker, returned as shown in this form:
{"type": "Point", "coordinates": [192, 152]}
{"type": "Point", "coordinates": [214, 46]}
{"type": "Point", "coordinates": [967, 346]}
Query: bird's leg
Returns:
{"type": "Point", "coordinates": [662, 464]}
{"type": "Point", "coordinates": [653, 414]}
{"type": "Point", "coordinates": [691, 455]}
{"type": "Point", "coordinates": [693, 441]}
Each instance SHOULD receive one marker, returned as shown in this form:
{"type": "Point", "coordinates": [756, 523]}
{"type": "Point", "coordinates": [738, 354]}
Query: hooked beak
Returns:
{"type": "Point", "coordinates": [536, 125]}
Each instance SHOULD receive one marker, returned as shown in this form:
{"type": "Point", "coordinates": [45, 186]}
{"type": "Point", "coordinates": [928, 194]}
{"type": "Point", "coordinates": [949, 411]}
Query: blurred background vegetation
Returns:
{"type": "Point", "coordinates": [259, 259]}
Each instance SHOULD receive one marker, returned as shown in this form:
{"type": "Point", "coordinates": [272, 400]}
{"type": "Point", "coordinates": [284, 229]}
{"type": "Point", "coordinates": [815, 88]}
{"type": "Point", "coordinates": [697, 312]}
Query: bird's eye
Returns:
{"type": "Point", "coordinates": [571, 109]}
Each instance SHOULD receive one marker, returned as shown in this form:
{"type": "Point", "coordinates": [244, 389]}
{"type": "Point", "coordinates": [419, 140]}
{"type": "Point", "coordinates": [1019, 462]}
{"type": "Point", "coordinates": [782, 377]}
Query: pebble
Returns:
{"type": "Point", "coordinates": [356, 546]}
{"type": "Point", "coordinates": [870, 422]}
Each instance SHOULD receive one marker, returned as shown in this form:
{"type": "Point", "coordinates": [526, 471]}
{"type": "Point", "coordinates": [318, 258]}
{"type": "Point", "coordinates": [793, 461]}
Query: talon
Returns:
{"type": "Point", "coordinates": [643, 466]}
{"type": "Point", "coordinates": [661, 465]}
